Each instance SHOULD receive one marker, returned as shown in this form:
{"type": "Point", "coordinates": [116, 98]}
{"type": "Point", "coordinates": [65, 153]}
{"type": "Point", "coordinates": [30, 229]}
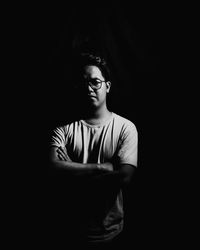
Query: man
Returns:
{"type": "Point", "coordinates": [99, 151]}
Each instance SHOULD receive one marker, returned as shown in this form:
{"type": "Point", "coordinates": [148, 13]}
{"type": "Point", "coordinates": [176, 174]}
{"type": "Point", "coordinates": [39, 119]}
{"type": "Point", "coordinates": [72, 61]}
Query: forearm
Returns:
{"type": "Point", "coordinates": [103, 173]}
{"type": "Point", "coordinates": [60, 161]}
{"type": "Point", "coordinates": [117, 179]}
{"type": "Point", "coordinates": [80, 169]}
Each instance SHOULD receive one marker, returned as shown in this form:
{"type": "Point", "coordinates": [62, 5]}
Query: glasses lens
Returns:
{"type": "Point", "coordinates": [95, 83]}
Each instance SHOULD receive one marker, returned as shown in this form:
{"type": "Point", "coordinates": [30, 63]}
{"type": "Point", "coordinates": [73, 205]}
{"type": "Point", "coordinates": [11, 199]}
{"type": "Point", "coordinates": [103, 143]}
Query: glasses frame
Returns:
{"type": "Point", "coordinates": [88, 82]}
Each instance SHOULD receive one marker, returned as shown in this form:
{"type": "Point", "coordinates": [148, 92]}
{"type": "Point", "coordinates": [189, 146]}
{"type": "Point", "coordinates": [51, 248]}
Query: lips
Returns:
{"type": "Point", "coordinates": [91, 96]}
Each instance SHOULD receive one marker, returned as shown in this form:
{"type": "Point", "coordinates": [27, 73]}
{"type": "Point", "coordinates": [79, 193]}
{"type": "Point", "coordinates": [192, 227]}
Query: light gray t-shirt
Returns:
{"type": "Point", "coordinates": [115, 139]}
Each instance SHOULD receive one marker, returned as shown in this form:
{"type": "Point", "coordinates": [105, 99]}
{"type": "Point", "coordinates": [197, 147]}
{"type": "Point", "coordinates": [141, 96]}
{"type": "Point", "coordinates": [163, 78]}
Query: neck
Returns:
{"type": "Point", "coordinates": [99, 113]}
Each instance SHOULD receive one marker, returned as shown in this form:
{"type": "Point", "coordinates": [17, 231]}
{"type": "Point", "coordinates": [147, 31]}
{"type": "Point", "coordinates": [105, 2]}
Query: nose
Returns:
{"type": "Point", "coordinates": [90, 89]}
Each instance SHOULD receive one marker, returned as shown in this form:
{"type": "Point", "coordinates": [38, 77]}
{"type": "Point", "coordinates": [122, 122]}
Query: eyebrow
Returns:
{"type": "Point", "coordinates": [95, 78]}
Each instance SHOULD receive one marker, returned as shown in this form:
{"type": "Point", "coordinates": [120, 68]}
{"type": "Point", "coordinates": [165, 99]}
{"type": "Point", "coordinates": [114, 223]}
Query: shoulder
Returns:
{"type": "Point", "coordinates": [124, 123]}
{"type": "Point", "coordinates": [65, 128]}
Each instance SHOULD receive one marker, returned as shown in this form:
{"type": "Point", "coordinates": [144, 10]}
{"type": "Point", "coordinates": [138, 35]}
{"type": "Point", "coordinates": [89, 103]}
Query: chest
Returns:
{"type": "Point", "coordinates": [93, 142]}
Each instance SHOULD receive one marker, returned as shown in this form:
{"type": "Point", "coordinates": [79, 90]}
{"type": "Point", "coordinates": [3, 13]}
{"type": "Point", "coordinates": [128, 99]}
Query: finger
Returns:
{"type": "Point", "coordinates": [61, 158]}
{"type": "Point", "coordinates": [61, 154]}
{"type": "Point", "coordinates": [62, 150]}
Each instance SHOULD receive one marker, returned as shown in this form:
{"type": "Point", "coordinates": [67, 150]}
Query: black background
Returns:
{"type": "Point", "coordinates": [131, 38]}
{"type": "Point", "coordinates": [135, 40]}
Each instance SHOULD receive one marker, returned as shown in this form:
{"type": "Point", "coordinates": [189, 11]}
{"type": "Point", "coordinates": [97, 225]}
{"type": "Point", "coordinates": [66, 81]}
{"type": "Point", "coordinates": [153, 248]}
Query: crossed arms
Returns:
{"type": "Point", "coordinates": [97, 173]}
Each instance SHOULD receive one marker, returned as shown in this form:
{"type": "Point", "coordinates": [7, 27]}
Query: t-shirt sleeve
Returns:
{"type": "Point", "coordinates": [58, 137]}
{"type": "Point", "coordinates": [128, 147]}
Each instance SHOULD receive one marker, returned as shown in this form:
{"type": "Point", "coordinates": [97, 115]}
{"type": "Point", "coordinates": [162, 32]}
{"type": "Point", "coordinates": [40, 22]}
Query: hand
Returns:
{"type": "Point", "coordinates": [62, 154]}
{"type": "Point", "coordinates": [107, 166]}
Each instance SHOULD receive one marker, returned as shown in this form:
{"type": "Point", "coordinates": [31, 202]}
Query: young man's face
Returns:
{"type": "Point", "coordinates": [95, 97]}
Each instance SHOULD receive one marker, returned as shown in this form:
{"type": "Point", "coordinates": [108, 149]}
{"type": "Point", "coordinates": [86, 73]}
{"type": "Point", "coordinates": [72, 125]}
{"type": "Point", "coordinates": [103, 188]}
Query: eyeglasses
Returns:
{"type": "Point", "coordinates": [95, 83]}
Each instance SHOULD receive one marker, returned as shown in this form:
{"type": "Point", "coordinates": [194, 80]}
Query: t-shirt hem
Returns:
{"type": "Point", "coordinates": [105, 238]}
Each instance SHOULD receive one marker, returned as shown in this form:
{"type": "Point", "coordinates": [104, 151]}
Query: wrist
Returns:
{"type": "Point", "coordinates": [106, 166]}
{"type": "Point", "coordinates": [99, 166]}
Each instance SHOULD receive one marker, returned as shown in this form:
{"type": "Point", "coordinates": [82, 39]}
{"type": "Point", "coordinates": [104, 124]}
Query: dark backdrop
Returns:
{"type": "Point", "coordinates": [132, 37]}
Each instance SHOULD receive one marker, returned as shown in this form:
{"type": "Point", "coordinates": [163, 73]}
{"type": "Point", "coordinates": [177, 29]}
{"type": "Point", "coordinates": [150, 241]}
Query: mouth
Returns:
{"type": "Point", "coordinates": [91, 96]}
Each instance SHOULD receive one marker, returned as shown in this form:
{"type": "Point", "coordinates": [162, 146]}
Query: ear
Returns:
{"type": "Point", "coordinates": [108, 85]}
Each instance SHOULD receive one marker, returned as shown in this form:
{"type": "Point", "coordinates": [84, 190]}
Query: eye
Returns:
{"type": "Point", "coordinates": [95, 81]}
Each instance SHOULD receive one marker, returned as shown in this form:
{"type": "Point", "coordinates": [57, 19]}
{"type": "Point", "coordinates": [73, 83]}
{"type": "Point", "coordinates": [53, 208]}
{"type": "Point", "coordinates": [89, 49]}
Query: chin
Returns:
{"type": "Point", "coordinates": [94, 105]}
{"type": "Point", "coordinates": [93, 102]}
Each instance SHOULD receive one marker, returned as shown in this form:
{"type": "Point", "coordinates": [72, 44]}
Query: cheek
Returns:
{"type": "Point", "coordinates": [102, 94]}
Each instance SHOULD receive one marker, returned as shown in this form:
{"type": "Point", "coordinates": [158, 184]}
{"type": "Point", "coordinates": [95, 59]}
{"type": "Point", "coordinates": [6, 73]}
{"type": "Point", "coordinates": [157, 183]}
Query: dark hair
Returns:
{"type": "Point", "coordinates": [86, 59]}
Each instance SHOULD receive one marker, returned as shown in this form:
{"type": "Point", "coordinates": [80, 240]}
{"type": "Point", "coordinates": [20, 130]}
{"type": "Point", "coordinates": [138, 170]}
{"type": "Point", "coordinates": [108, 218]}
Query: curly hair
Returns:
{"type": "Point", "coordinates": [86, 59]}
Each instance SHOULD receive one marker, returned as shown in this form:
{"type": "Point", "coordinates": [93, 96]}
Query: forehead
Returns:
{"type": "Point", "coordinates": [92, 71]}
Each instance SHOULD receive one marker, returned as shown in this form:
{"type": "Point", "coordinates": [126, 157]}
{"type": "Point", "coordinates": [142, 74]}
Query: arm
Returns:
{"type": "Point", "coordinates": [102, 174]}
{"type": "Point", "coordinates": [106, 187]}
{"type": "Point", "coordinates": [60, 161]}
{"type": "Point", "coordinates": [118, 178]}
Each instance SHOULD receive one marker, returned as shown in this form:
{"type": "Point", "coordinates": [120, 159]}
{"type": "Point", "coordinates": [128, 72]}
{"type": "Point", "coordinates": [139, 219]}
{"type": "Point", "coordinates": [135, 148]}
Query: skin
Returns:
{"type": "Point", "coordinates": [100, 174]}
{"type": "Point", "coordinates": [96, 98]}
